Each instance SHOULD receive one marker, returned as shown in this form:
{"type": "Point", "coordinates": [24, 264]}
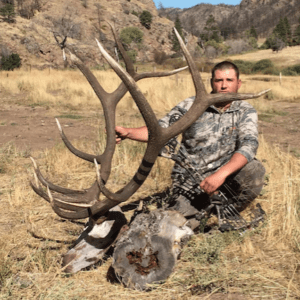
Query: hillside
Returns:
{"type": "Point", "coordinates": [83, 21]}
{"type": "Point", "coordinates": [234, 20]}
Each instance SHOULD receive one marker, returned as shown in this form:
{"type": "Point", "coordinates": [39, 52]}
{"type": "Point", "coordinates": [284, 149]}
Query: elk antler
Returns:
{"type": "Point", "coordinates": [81, 204]}
{"type": "Point", "coordinates": [109, 101]}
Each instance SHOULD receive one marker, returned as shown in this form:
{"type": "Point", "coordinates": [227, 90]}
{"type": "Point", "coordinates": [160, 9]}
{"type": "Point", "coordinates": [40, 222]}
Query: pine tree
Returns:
{"type": "Point", "coordinates": [211, 30]}
{"type": "Point", "coordinates": [8, 12]}
{"type": "Point", "coordinates": [297, 34]}
{"type": "Point", "coordinates": [176, 46]}
{"type": "Point", "coordinates": [146, 19]}
{"type": "Point", "coordinates": [287, 30]}
{"type": "Point", "coordinates": [10, 62]}
{"type": "Point", "coordinates": [253, 32]}
{"type": "Point", "coordinates": [280, 30]}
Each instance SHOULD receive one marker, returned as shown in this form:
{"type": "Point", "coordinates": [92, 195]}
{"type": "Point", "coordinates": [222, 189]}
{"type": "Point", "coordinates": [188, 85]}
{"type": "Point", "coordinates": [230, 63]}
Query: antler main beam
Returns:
{"type": "Point", "coordinates": [81, 204]}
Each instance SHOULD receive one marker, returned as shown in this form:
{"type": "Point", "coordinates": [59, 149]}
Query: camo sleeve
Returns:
{"type": "Point", "coordinates": [176, 112]}
{"type": "Point", "coordinates": [247, 128]}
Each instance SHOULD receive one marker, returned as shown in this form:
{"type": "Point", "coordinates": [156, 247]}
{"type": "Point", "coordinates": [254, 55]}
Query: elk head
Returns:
{"type": "Point", "coordinates": [75, 204]}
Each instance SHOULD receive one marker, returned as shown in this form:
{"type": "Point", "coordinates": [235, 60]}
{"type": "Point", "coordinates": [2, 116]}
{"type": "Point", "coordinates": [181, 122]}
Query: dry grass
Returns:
{"type": "Point", "coordinates": [286, 57]}
{"type": "Point", "coordinates": [67, 90]}
{"type": "Point", "coordinates": [263, 263]}
{"type": "Point", "coordinates": [286, 91]}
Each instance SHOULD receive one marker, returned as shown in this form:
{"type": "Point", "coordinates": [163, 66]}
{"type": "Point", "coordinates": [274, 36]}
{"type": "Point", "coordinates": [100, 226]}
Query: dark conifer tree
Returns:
{"type": "Point", "coordinates": [288, 30]}
{"type": "Point", "coordinates": [176, 46]}
{"type": "Point", "coordinates": [253, 32]}
{"type": "Point", "coordinates": [297, 34]}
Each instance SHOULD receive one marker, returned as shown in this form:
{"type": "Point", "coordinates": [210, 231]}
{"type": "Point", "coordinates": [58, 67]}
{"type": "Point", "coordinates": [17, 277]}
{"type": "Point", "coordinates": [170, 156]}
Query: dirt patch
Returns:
{"type": "Point", "coordinates": [282, 126]}
{"type": "Point", "coordinates": [35, 128]}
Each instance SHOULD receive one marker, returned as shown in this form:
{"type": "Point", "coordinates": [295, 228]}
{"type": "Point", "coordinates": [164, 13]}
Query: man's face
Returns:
{"type": "Point", "coordinates": [225, 81]}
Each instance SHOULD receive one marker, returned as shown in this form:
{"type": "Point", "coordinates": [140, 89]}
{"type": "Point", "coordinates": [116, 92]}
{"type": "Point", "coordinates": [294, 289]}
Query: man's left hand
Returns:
{"type": "Point", "coordinates": [211, 183]}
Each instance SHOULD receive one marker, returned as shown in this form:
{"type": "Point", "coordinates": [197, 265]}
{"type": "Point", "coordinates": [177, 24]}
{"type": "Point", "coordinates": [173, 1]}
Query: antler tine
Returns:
{"type": "Point", "coordinates": [52, 186]}
{"type": "Point", "coordinates": [39, 191]}
{"type": "Point", "coordinates": [198, 83]}
{"type": "Point", "coordinates": [71, 204]}
{"type": "Point", "coordinates": [75, 151]}
{"type": "Point", "coordinates": [67, 210]}
{"type": "Point", "coordinates": [134, 90]}
{"type": "Point", "coordinates": [158, 74]}
{"type": "Point", "coordinates": [129, 64]}
{"type": "Point", "coordinates": [127, 60]}
{"type": "Point", "coordinates": [98, 89]}
{"type": "Point", "coordinates": [219, 98]}
{"type": "Point", "coordinates": [65, 205]}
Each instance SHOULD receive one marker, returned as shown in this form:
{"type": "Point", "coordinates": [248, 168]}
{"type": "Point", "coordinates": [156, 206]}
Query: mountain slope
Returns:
{"type": "Point", "coordinates": [83, 21]}
{"type": "Point", "coordinates": [234, 20]}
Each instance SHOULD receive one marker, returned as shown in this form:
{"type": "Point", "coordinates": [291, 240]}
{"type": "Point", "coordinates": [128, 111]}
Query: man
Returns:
{"type": "Point", "coordinates": [221, 144]}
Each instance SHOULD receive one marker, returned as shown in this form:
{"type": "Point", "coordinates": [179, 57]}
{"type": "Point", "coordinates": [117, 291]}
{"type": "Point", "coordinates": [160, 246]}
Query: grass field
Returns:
{"type": "Point", "coordinates": [284, 58]}
{"type": "Point", "coordinates": [263, 263]}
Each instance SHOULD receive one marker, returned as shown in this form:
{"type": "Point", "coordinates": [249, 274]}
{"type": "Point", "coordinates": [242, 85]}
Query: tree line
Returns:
{"type": "Point", "coordinates": [215, 41]}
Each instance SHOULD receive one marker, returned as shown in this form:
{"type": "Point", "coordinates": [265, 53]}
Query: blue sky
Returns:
{"type": "Point", "coordinates": [190, 3]}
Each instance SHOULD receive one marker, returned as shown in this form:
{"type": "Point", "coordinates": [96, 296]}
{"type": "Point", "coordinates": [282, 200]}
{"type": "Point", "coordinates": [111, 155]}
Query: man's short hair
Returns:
{"type": "Point", "coordinates": [225, 65]}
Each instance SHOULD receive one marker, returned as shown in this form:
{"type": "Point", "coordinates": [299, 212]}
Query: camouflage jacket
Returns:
{"type": "Point", "coordinates": [215, 136]}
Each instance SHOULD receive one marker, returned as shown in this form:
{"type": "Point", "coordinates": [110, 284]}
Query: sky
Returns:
{"type": "Point", "coordinates": [190, 3]}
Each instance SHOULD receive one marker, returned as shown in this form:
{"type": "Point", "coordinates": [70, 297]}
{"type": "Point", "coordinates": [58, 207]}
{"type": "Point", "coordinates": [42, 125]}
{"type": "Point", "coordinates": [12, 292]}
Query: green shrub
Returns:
{"type": "Point", "coordinates": [296, 68]}
{"type": "Point", "coordinates": [219, 46]}
{"type": "Point", "coordinates": [135, 13]}
{"type": "Point", "coordinates": [288, 72]}
{"type": "Point", "coordinates": [274, 42]}
{"type": "Point", "coordinates": [132, 55]}
{"type": "Point", "coordinates": [177, 63]}
{"type": "Point", "coordinates": [291, 71]}
{"type": "Point", "coordinates": [131, 34]}
{"type": "Point", "coordinates": [146, 19]}
{"type": "Point", "coordinates": [10, 62]}
{"type": "Point", "coordinates": [262, 65]}
{"type": "Point", "coordinates": [253, 42]}
{"type": "Point", "coordinates": [245, 67]}
{"type": "Point", "coordinates": [160, 57]}
{"type": "Point", "coordinates": [270, 71]}
{"type": "Point", "coordinates": [8, 13]}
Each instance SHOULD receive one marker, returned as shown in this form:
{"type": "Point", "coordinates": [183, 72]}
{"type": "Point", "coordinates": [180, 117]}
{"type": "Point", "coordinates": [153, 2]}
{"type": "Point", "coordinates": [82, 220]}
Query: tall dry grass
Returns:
{"type": "Point", "coordinates": [286, 57]}
{"type": "Point", "coordinates": [68, 90]}
{"type": "Point", "coordinates": [263, 263]}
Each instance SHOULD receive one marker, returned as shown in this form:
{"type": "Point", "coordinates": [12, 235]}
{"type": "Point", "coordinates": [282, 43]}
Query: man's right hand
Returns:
{"type": "Point", "coordinates": [139, 134]}
{"type": "Point", "coordinates": [121, 134]}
